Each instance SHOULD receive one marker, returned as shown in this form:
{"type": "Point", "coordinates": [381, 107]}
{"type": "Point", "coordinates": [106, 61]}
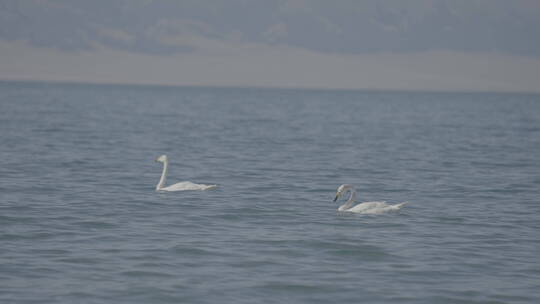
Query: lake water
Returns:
{"type": "Point", "coordinates": [80, 221]}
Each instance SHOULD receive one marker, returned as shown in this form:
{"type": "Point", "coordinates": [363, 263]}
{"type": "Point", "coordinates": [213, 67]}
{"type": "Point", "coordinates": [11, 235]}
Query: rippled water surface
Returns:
{"type": "Point", "coordinates": [80, 221]}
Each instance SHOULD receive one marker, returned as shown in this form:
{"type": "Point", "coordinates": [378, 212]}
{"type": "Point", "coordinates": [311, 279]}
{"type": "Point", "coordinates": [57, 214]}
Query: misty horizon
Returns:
{"type": "Point", "coordinates": [380, 45]}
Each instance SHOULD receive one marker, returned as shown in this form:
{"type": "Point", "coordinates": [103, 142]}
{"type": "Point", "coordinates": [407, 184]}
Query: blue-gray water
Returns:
{"type": "Point", "coordinates": [80, 221]}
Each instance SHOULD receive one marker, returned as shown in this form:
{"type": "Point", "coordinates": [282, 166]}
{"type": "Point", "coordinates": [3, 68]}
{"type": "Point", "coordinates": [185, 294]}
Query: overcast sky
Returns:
{"type": "Point", "coordinates": [485, 45]}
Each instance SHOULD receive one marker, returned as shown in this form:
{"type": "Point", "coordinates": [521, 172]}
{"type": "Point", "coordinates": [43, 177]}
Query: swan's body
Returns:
{"type": "Point", "coordinates": [366, 207]}
{"type": "Point", "coordinates": [181, 186]}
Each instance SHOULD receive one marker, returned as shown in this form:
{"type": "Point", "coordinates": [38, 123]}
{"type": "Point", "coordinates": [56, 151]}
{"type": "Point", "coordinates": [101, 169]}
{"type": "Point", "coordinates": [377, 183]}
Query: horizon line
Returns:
{"type": "Point", "coordinates": [292, 88]}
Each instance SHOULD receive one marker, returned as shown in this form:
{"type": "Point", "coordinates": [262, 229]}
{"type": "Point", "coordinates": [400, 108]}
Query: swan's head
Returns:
{"type": "Point", "coordinates": [342, 189]}
{"type": "Point", "coordinates": [162, 158]}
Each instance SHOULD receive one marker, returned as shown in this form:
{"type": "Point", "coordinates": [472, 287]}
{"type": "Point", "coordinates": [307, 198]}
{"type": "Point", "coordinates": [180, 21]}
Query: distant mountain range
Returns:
{"type": "Point", "coordinates": [343, 26]}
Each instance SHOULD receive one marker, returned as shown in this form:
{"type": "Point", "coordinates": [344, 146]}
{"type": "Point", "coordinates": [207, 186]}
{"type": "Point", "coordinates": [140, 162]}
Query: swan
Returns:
{"type": "Point", "coordinates": [181, 186]}
{"type": "Point", "coordinates": [366, 207]}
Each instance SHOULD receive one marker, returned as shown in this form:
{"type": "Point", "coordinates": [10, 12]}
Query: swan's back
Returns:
{"type": "Point", "coordinates": [185, 186]}
{"type": "Point", "coordinates": [375, 207]}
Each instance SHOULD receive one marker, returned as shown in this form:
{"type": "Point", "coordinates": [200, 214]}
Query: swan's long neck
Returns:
{"type": "Point", "coordinates": [350, 201]}
{"type": "Point", "coordinates": [161, 183]}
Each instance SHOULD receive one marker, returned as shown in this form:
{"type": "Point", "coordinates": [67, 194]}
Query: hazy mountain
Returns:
{"type": "Point", "coordinates": [488, 45]}
{"type": "Point", "coordinates": [342, 26]}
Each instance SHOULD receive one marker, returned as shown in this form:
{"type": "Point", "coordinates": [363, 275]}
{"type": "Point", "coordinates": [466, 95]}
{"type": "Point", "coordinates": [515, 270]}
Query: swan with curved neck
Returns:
{"type": "Point", "coordinates": [366, 207]}
{"type": "Point", "coordinates": [181, 186]}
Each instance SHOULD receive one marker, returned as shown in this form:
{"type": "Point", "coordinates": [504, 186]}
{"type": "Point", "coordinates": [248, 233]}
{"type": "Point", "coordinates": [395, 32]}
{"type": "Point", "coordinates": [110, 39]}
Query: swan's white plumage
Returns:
{"type": "Point", "coordinates": [181, 186]}
{"type": "Point", "coordinates": [374, 207]}
{"type": "Point", "coordinates": [366, 207]}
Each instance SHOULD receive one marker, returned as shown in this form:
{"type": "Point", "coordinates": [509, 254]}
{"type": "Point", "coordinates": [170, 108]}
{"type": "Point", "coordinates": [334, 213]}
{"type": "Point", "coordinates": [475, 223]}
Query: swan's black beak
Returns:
{"type": "Point", "coordinates": [335, 198]}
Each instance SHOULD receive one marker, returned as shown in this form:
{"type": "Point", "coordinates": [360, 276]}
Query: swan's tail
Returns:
{"type": "Point", "coordinates": [398, 206]}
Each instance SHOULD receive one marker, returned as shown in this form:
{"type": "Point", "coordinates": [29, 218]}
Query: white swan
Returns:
{"type": "Point", "coordinates": [366, 207]}
{"type": "Point", "coordinates": [182, 186]}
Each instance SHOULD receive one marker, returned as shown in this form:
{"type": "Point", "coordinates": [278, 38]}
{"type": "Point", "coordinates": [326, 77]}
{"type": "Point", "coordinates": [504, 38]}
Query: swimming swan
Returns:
{"type": "Point", "coordinates": [182, 186]}
{"type": "Point", "coordinates": [365, 208]}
